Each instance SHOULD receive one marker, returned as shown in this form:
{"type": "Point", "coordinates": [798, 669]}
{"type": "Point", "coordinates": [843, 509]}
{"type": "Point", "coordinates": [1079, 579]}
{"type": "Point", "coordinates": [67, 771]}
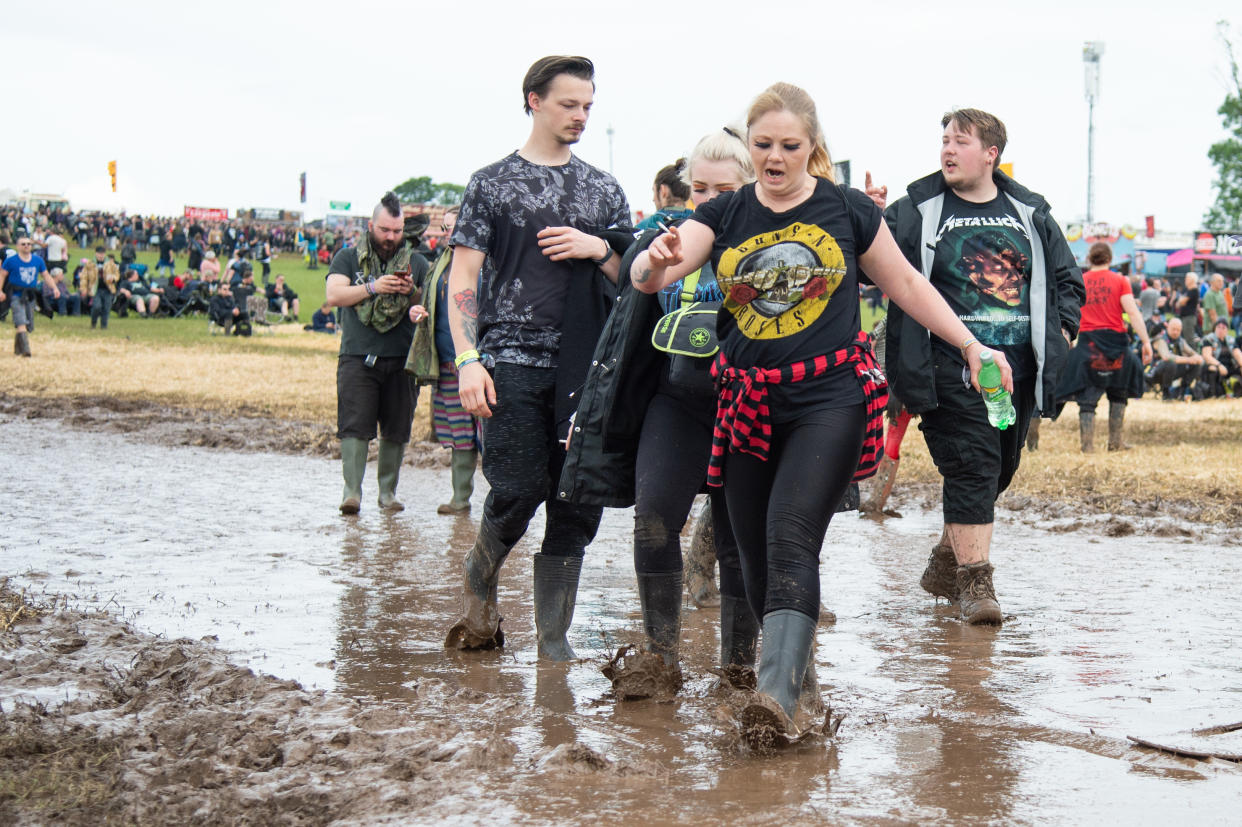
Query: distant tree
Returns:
{"type": "Point", "coordinates": [1226, 155]}
{"type": "Point", "coordinates": [423, 190]}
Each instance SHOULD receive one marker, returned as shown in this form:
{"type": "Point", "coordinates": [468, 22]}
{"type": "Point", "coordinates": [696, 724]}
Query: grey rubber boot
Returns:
{"type": "Point", "coordinates": [479, 626]}
{"type": "Point", "coordinates": [940, 576]}
{"type": "Point", "coordinates": [978, 597]}
{"type": "Point", "coordinates": [660, 597]}
{"type": "Point", "coordinates": [353, 467]}
{"type": "Point", "coordinates": [21, 344]}
{"type": "Point", "coordinates": [1116, 427]}
{"type": "Point", "coordinates": [389, 473]}
{"type": "Point", "coordinates": [1086, 431]}
{"type": "Point", "coordinates": [555, 593]}
{"type": "Point", "coordinates": [787, 637]}
{"type": "Point", "coordinates": [463, 465]}
{"type": "Point", "coordinates": [700, 568]}
{"type": "Point", "coordinates": [739, 632]}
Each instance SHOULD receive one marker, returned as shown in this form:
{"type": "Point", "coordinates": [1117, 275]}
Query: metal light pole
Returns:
{"type": "Point", "coordinates": [610, 132]}
{"type": "Point", "coordinates": [1091, 52]}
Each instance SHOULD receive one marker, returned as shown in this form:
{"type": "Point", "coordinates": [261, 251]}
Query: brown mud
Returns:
{"type": "Point", "coordinates": [224, 647]}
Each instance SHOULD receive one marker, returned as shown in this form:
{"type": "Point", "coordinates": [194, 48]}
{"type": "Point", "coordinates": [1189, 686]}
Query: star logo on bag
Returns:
{"type": "Point", "coordinates": [699, 336]}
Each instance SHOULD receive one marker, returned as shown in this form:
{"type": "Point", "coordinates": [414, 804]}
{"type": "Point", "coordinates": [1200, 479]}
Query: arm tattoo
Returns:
{"type": "Point", "coordinates": [643, 275]}
{"type": "Point", "coordinates": [467, 303]}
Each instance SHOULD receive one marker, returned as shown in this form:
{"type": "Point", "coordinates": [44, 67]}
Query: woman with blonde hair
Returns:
{"type": "Point", "coordinates": [800, 396]}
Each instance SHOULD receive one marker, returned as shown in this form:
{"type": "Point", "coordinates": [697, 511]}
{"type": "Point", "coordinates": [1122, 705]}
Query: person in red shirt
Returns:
{"type": "Point", "coordinates": [1102, 361]}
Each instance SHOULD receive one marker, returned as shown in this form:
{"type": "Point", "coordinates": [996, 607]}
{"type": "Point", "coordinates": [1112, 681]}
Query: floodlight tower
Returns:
{"type": "Point", "coordinates": [1091, 52]}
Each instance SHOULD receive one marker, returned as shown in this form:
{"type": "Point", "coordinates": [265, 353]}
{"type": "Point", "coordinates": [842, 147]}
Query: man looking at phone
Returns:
{"type": "Point", "coordinates": [374, 284]}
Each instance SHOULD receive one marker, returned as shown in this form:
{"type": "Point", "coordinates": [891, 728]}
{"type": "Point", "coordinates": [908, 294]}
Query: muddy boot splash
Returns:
{"type": "Point", "coordinates": [479, 627]}
{"type": "Point", "coordinates": [701, 562]}
{"type": "Point", "coordinates": [940, 576]}
{"type": "Point", "coordinates": [636, 675]}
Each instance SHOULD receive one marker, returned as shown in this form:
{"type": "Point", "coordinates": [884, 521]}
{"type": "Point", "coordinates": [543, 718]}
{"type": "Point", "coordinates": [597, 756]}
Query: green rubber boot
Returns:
{"type": "Point", "coordinates": [353, 467]}
{"type": "Point", "coordinates": [555, 593]}
{"type": "Point", "coordinates": [464, 463]}
{"type": "Point", "coordinates": [389, 472]}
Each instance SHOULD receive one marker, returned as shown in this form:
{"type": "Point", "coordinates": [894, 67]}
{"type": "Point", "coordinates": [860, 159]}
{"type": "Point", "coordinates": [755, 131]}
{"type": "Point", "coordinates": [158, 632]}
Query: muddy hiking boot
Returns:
{"type": "Point", "coordinates": [463, 465]}
{"type": "Point", "coordinates": [1086, 432]}
{"type": "Point", "coordinates": [940, 576]}
{"type": "Point", "coordinates": [388, 473]}
{"type": "Point", "coordinates": [479, 626]}
{"type": "Point", "coordinates": [353, 467]}
{"type": "Point", "coordinates": [555, 594]}
{"type": "Point", "coordinates": [1116, 428]}
{"type": "Point", "coordinates": [700, 570]}
{"type": "Point", "coordinates": [977, 598]}
{"type": "Point", "coordinates": [767, 719]}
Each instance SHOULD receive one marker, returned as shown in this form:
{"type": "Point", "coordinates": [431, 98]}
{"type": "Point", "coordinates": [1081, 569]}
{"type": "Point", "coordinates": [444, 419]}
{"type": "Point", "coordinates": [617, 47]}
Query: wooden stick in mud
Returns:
{"type": "Point", "coordinates": [1186, 752]}
{"type": "Point", "coordinates": [1220, 729]}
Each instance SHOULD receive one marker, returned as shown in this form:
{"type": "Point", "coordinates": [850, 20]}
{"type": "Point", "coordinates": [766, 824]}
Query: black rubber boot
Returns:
{"type": "Point", "coordinates": [940, 576]}
{"type": "Point", "coordinates": [1116, 427]}
{"type": "Point", "coordinates": [660, 597]}
{"type": "Point", "coordinates": [479, 626]}
{"type": "Point", "coordinates": [21, 345]}
{"type": "Point", "coordinates": [787, 638]}
{"type": "Point", "coordinates": [555, 593]}
{"type": "Point", "coordinates": [739, 632]}
{"type": "Point", "coordinates": [388, 472]}
{"type": "Point", "coordinates": [1086, 431]}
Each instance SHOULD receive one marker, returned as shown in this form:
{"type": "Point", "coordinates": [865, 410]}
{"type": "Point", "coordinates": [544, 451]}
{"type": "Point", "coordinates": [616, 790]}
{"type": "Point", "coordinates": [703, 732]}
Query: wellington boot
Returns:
{"type": "Point", "coordinates": [388, 470]}
{"type": "Point", "coordinates": [555, 593]}
{"type": "Point", "coordinates": [739, 632]}
{"type": "Point", "coordinates": [660, 597]}
{"type": "Point", "coordinates": [21, 344]}
{"type": "Point", "coordinates": [353, 467]}
{"type": "Point", "coordinates": [881, 486]}
{"type": "Point", "coordinates": [787, 639]}
{"type": "Point", "coordinates": [940, 576]}
{"type": "Point", "coordinates": [1116, 428]}
{"type": "Point", "coordinates": [1086, 431]}
{"type": "Point", "coordinates": [700, 573]}
{"type": "Point", "coordinates": [1032, 435]}
{"type": "Point", "coordinates": [17, 344]}
{"type": "Point", "coordinates": [479, 626]}
{"type": "Point", "coordinates": [463, 465]}
{"type": "Point", "coordinates": [809, 697]}
{"type": "Point", "coordinates": [978, 597]}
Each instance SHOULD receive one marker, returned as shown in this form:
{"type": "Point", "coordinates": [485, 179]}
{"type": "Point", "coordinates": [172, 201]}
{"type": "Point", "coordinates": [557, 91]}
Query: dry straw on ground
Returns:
{"type": "Point", "coordinates": [1189, 454]}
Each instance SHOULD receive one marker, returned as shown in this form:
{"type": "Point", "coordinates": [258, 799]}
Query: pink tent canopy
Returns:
{"type": "Point", "coordinates": [1181, 258]}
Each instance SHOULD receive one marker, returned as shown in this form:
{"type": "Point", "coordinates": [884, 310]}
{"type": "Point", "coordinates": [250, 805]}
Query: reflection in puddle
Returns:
{"type": "Point", "coordinates": [944, 722]}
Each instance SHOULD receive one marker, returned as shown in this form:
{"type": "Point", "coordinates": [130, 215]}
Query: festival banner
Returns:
{"type": "Point", "coordinates": [207, 213]}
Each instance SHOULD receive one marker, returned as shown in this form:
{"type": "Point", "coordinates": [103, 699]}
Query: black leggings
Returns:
{"type": "Point", "coordinates": [670, 469]}
{"type": "Point", "coordinates": [780, 509]}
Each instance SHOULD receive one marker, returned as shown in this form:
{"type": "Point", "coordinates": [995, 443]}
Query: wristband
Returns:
{"type": "Point", "coordinates": [369, 284]}
{"type": "Point", "coordinates": [465, 362]}
{"type": "Point", "coordinates": [970, 340]}
{"type": "Point", "coordinates": [466, 358]}
{"type": "Point", "coordinates": [600, 262]}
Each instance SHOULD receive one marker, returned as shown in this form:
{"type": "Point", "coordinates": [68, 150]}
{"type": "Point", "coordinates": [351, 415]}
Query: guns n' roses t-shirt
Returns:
{"type": "Point", "coordinates": [982, 268]}
{"type": "Point", "coordinates": [790, 282]}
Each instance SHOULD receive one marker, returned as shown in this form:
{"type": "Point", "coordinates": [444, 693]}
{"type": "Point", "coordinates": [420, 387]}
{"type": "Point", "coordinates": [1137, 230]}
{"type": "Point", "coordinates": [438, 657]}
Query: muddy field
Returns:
{"type": "Point", "coordinates": [192, 635]}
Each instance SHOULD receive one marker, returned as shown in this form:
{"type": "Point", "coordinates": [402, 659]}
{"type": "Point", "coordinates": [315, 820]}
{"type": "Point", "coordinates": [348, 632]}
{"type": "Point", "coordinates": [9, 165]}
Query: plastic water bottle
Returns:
{"type": "Point", "coordinates": [1000, 406]}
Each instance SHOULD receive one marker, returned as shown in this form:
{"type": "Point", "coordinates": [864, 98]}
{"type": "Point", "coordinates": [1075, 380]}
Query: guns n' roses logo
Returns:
{"type": "Point", "coordinates": [777, 284]}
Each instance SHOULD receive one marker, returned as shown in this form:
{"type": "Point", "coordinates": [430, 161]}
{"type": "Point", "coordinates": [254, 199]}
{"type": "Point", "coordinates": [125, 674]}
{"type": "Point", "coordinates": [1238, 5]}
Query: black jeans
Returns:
{"type": "Point", "coordinates": [976, 460]}
{"type": "Point", "coordinates": [522, 461]}
{"type": "Point", "coordinates": [780, 508]}
{"type": "Point", "coordinates": [670, 469]}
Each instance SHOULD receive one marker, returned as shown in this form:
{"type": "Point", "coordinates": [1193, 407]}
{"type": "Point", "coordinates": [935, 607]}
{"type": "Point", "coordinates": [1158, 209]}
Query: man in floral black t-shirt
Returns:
{"type": "Point", "coordinates": [526, 224]}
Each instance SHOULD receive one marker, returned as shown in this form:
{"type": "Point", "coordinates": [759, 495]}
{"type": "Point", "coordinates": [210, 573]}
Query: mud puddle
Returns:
{"type": "Point", "coordinates": [1108, 636]}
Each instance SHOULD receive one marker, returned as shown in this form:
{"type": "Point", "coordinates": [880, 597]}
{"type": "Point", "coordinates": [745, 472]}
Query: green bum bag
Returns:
{"type": "Point", "coordinates": [688, 336]}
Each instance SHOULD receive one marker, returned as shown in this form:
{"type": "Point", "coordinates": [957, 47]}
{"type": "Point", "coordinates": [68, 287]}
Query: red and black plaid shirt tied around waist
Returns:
{"type": "Point", "coordinates": [743, 419]}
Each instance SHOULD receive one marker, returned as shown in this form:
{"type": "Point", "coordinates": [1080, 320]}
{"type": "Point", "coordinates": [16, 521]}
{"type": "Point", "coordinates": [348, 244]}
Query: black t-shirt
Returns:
{"type": "Point", "coordinates": [358, 339]}
{"type": "Point", "coordinates": [790, 281]}
{"type": "Point", "coordinates": [982, 268]}
{"type": "Point", "coordinates": [1191, 307]}
{"type": "Point", "coordinates": [521, 291]}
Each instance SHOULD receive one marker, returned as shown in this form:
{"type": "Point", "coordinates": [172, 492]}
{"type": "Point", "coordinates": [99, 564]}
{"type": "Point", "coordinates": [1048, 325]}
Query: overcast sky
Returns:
{"type": "Point", "coordinates": [223, 104]}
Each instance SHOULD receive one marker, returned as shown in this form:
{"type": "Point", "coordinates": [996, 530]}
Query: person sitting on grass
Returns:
{"type": "Point", "coordinates": [225, 312]}
{"type": "Point", "coordinates": [210, 269]}
{"type": "Point", "coordinates": [322, 320]}
{"type": "Point", "coordinates": [281, 299]}
{"type": "Point", "coordinates": [57, 295]}
{"type": "Point", "coordinates": [1222, 360]}
{"type": "Point", "coordinates": [139, 295]}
